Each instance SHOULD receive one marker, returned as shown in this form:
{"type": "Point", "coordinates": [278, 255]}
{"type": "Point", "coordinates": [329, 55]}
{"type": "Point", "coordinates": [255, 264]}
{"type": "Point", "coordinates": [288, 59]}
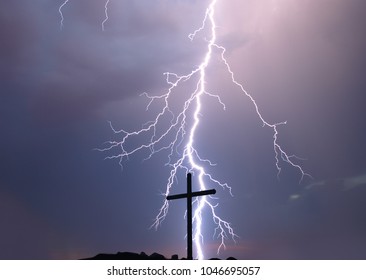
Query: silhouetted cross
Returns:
{"type": "Point", "coordinates": [189, 196]}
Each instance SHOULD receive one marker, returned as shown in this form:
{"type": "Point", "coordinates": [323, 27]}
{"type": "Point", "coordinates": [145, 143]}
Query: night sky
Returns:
{"type": "Point", "coordinates": [303, 61]}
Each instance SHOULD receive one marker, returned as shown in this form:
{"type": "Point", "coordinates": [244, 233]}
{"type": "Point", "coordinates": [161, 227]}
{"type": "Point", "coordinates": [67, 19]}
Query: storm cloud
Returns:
{"type": "Point", "coordinates": [303, 61]}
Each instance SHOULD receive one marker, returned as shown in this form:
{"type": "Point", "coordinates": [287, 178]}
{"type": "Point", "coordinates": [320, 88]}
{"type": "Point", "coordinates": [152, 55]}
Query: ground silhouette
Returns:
{"type": "Point", "coordinates": [136, 256]}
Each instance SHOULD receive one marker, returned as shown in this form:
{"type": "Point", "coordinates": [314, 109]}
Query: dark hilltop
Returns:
{"type": "Point", "coordinates": [136, 256]}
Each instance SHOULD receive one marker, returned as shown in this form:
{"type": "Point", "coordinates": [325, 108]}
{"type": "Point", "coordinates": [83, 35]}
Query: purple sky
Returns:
{"type": "Point", "coordinates": [303, 61]}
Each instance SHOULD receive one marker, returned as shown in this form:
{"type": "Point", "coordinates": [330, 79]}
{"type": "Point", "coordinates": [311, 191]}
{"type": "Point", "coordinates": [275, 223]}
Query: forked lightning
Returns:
{"type": "Point", "coordinates": [178, 138]}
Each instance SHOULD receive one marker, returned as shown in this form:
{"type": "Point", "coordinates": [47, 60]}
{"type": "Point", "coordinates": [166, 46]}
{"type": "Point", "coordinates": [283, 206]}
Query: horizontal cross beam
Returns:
{"type": "Point", "coordinates": [193, 194]}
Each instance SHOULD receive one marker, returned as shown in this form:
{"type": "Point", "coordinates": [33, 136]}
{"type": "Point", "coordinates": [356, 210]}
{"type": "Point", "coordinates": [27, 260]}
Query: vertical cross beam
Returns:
{"type": "Point", "coordinates": [189, 217]}
{"type": "Point", "coordinates": [189, 196]}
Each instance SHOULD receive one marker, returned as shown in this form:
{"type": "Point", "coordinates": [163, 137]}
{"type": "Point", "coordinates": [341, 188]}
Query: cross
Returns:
{"type": "Point", "coordinates": [189, 196]}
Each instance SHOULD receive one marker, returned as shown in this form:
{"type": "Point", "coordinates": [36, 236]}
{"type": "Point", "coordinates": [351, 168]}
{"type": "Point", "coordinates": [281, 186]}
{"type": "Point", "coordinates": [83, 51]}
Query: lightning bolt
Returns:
{"type": "Point", "coordinates": [106, 14]}
{"type": "Point", "coordinates": [61, 14]}
{"type": "Point", "coordinates": [179, 138]}
{"type": "Point", "coordinates": [106, 17]}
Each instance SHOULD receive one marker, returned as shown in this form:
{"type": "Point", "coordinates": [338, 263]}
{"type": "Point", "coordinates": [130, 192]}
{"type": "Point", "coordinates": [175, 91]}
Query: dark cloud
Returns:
{"type": "Point", "coordinates": [303, 62]}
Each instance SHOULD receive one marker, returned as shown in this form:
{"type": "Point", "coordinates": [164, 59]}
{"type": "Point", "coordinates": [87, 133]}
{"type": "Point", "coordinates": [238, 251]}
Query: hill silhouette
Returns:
{"type": "Point", "coordinates": [136, 256]}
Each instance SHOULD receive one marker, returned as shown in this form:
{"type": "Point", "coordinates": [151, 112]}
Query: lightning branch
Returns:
{"type": "Point", "coordinates": [179, 138]}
